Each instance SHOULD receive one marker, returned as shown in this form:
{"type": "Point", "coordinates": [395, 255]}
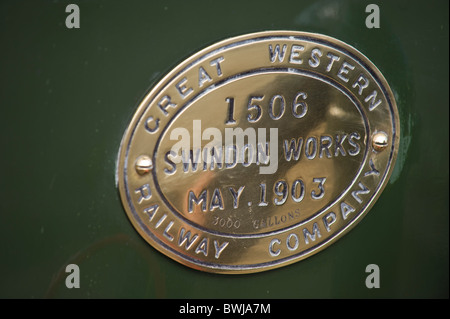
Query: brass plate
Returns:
{"type": "Point", "coordinates": [316, 134]}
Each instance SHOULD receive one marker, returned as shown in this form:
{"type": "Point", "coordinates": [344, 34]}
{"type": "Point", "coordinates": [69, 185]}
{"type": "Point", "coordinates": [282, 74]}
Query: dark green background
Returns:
{"type": "Point", "coordinates": [67, 95]}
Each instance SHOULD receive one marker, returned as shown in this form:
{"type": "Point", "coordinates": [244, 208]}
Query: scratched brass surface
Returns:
{"type": "Point", "coordinates": [207, 202]}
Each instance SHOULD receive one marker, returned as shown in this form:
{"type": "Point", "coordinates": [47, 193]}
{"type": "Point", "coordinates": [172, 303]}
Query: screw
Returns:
{"type": "Point", "coordinates": [379, 141]}
{"type": "Point", "coordinates": [144, 165]}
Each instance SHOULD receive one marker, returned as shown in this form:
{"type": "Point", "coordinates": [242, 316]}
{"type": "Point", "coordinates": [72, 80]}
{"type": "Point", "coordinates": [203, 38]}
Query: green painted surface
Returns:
{"type": "Point", "coordinates": [67, 95]}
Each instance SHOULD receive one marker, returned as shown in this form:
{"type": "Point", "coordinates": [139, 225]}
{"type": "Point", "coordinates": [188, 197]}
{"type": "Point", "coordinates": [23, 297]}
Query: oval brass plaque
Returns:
{"type": "Point", "coordinates": [258, 151]}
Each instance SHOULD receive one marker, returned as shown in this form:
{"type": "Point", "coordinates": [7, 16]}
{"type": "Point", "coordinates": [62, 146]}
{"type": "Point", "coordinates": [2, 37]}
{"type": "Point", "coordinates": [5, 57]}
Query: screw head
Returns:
{"type": "Point", "coordinates": [144, 165]}
{"type": "Point", "coordinates": [379, 141]}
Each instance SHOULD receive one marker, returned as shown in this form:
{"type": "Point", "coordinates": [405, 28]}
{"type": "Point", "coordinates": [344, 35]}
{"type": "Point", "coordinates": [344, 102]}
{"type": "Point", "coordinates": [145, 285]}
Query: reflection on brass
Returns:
{"type": "Point", "coordinates": [259, 151]}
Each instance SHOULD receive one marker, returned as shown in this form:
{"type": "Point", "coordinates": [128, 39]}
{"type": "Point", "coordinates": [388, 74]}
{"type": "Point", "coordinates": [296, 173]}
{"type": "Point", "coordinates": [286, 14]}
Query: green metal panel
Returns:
{"type": "Point", "coordinates": [67, 96]}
